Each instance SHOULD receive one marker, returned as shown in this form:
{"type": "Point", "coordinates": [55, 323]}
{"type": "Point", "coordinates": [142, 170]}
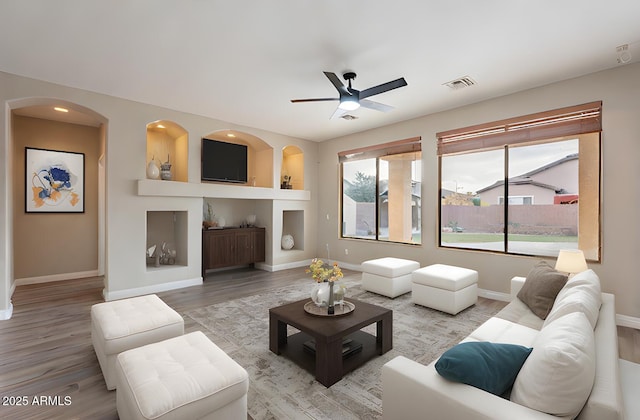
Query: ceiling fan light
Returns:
{"type": "Point", "coordinates": [349, 104]}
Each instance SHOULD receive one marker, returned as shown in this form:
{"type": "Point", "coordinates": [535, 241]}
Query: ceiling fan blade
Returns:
{"type": "Point", "coordinates": [337, 83]}
{"type": "Point", "coordinates": [366, 103]}
{"type": "Point", "coordinates": [314, 100]}
{"type": "Point", "coordinates": [339, 112]}
{"type": "Point", "coordinates": [394, 84]}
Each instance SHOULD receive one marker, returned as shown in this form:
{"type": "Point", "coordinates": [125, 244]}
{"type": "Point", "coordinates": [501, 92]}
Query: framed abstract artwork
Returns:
{"type": "Point", "coordinates": [54, 181]}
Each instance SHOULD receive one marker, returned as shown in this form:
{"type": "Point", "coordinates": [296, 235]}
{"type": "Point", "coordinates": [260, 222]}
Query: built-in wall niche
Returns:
{"type": "Point", "coordinates": [292, 170]}
{"type": "Point", "coordinates": [259, 156]}
{"type": "Point", "coordinates": [293, 224]}
{"type": "Point", "coordinates": [167, 144]}
{"type": "Point", "coordinates": [166, 239]}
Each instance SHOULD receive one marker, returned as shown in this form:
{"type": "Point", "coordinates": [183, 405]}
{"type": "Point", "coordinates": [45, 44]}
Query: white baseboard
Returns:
{"type": "Point", "coordinates": [6, 313]}
{"type": "Point", "coordinates": [285, 266]}
{"type": "Point", "coordinates": [265, 267]}
{"type": "Point", "coordinates": [146, 290]}
{"type": "Point", "coordinates": [348, 266]}
{"type": "Point", "coordinates": [303, 263]}
{"type": "Point", "coordinates": [490, 294]}
{"type": "Point", "coordinates": [56, 277]}
{"type": "Point", "coordinates": [628, 321]}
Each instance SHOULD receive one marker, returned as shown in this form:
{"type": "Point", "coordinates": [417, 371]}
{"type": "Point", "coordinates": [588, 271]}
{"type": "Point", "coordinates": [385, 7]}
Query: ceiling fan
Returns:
{"type": "Point", "coordinates": [351, 99]}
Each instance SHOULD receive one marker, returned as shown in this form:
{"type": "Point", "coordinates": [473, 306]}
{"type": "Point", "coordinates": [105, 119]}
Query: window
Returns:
{"type": "Point", "coordinates": [381, 192]}
{"type": "Point", "coordinates": [517, 200]}
{"type": "Point", "coordinates": [548, 167]}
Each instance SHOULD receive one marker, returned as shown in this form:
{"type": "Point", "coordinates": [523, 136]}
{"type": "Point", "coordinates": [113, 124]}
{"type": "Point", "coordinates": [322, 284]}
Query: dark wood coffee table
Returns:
{"type": "Point", "coordinates": [328, 365]}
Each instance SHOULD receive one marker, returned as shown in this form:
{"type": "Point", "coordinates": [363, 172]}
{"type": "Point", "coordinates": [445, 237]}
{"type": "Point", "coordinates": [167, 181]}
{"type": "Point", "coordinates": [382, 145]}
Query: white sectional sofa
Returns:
{"type": "Point", "coordinates": [415, 391]}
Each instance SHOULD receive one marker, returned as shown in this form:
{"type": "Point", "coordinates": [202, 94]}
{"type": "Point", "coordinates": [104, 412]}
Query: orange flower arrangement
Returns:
{"type": "Point", "coordinates": [321, 272]}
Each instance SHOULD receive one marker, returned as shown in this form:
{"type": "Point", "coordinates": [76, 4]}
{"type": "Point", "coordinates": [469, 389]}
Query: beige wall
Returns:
{"type": "Point", "coordinates": [54, 243]}
{"type": "Point", "coordinates": [619, 89]}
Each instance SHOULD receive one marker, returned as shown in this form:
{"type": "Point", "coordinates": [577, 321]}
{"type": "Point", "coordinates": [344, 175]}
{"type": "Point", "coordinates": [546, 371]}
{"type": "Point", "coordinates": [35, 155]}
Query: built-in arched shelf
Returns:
{"type": "Point", "coordinates": [292, 169]}
{"type": "Point", "coordinates": [259, 156]}
{"type": "Point", "coordinates": [168, 142]}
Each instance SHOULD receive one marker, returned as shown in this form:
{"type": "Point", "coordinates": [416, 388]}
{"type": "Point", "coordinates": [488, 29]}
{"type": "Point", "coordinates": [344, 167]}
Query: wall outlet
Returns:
{"type": "Point", "coordinates": [346, 251]}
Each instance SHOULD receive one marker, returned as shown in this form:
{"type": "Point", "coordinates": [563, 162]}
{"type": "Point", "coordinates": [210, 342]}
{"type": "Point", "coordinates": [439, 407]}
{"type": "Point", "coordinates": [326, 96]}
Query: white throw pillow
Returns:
{"type": "Point", "coordinates": [558, 375]}
{"type": "Point", "coordinates": [581, 294]}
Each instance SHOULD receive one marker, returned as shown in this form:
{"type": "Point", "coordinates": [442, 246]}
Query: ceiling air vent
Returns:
{"type": "Point", "coordinates": [460, 83]}
{"type": "Point", "coordinates": [349, 117]}
{"type": "Point", "coordinates": [624, 55]}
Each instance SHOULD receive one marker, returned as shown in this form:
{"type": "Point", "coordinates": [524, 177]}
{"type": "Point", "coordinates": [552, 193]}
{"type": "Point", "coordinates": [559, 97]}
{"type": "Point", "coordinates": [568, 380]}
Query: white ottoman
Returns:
{"type": "Point", "coordinates": [388, 276]}
{"type": "Point", "coordinates": [186, 377]}
{"type": "Point", "coordinates": [128, 323]}
{"type": "Point", "coordinates": [445, 287]}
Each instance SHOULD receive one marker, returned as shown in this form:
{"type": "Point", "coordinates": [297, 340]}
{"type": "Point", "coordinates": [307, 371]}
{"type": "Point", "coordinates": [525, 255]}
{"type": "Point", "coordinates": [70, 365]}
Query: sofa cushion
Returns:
{"type": "Point", "coordinates": [581, 294]}
{"type": "Point", "coordinates": [541, 288]}
{"type": "Point", "coordinates": [558, 376]}
{"type": "Point", "coordinates": [489, 366]}
{"type": "Point", "coordinates": [519, 313]}
{"type": "Point", "coordinates": [498, 330]}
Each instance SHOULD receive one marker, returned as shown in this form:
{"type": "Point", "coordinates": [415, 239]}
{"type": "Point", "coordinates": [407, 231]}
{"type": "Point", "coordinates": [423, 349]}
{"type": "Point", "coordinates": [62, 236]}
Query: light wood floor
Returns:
{"type": "Point", "coordinates": [46, 351]}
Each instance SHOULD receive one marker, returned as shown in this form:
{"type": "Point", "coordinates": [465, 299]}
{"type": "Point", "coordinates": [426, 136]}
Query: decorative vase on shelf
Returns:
{"type": "Point", "coordinates": [287, 242]}
{"type": "Point", "coordinates": [221, 221]}
{"type": "Point", "coordinates": [165, 170]}
{"type": "Point", "coordinates": [153, 172]}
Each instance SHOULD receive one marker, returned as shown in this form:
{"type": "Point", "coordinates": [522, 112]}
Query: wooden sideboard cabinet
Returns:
{"type": "Point", "coordinates": [232, 246]}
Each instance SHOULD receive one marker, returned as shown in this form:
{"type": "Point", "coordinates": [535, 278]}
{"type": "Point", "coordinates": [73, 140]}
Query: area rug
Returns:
{"type": "Point", "coordinates": [279, 389]}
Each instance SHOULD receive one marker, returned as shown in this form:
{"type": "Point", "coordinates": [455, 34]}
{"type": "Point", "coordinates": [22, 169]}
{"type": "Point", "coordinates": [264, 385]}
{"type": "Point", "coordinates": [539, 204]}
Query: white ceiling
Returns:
{"type": "Point", "coordinates": [241, 61]}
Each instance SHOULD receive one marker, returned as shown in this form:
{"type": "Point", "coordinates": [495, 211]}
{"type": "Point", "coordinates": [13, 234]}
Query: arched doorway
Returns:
{"type": "Point", "coordinates": [51, 246]}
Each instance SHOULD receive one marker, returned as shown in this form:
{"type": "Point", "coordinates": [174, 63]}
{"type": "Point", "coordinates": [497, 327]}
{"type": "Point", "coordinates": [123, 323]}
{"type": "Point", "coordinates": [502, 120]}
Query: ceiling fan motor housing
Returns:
{"type": "Point", "coordinates": [349, 75]}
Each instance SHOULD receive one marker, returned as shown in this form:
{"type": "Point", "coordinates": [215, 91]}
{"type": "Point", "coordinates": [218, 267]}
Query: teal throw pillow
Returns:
{"type": "Point", "coordinates": [489, 366]}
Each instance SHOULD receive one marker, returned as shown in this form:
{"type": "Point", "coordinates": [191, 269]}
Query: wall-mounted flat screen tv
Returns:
{"type": "Point", "coordinates": [221, 161]}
